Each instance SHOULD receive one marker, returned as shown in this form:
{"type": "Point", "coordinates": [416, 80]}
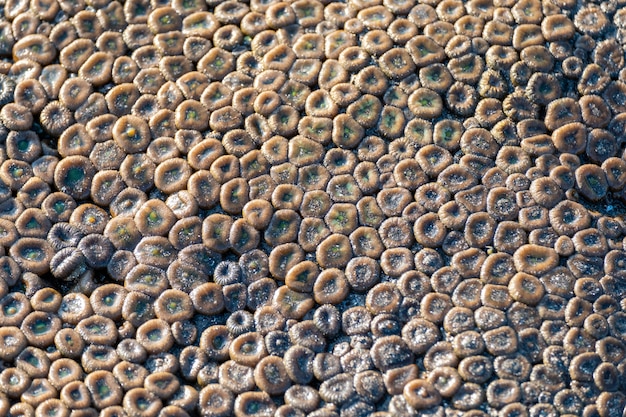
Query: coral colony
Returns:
{"type": "Point", "coordinates": [312, 208]}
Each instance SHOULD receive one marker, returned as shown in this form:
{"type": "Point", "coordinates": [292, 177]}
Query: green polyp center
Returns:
{"type": "Point", "coordinates": [32, 254]}
{"type": "Point", "coordinates": [154, 335]}
{"type": "Point", "coordinates": [141, 307]}
{"type": "Point", "coordinates": [535, 259]}
{"type": "Point", "coordinates": [191, 114]}
{"type": "Point", "coordinates": [153, 217]}
{"type": "Point", "coordinates": [253, 407]}
{"type": "Point", "coordinates": [96, 328]}
{"type": "Point", "coordinates": [234, 194]}
{"type": "Point", "coordinates": [425, 102]}
{"type": "Point", "coordinates": [122, 232]}
{"type": "Point", "coordinates": [32, 224]}
{"type": "Point", "coordinates": [334, 251]}
{"type": "Point", "coordinates": [218, 62]}
{"type": "Point", "coordinates": [248, 348]}
{"type": "Point", "coordinates": [103, 389]}
{"type": "Point", "coordinates": [16, 172]}
{"type": "Point", "coordinates": [38, 389]}
{"type": "Point", "coordinates": [23, 145]}
{"type": "Point", "coordinates": [390, 119]}
{"type": "Point", "coordinates": [143, 403]}
{"type": "Point", "coordinates": [303, 276]}
{"type": "Point", "coordinates": [423, 50]}
{"type": "Point", "coordinates": [75, 394]}
{"type": "Point", "coordinates": [40, 326]}
{"type": "Point", "coordinates": [100, 355]}
{"type": "Point", "coordinates": [109, 300]}
{"type": "Point", "coordinates": [254, 165]}
{"type": "Point", "coordinates": [69, 340]}
{"type": "Point", "coordinates": [284, 118]}
{"type": "Point", "coordinates": [14, 380]}
{"type": "Point", "coordinates": [594, 183]}
{"type": "Point", "coordinates": [75, 175]}
{"type": "Point", "coordinates": [341, 218]}
{"type": "Point", "coordinates": [545, 88]}
{"type": "Point", "coordinates": [11, 308]}
{"type": "Point", "coordinates": [148, 280]}
{"type": "Point", "coordinates": [174, 306]}
{"type": "Point", "coordinates": [219, 341]}
{"type": "Point", "coordinates": [322, 104]}
{"type": "Point", "coordinates": [282, 226]}
{"type": "Point", "coordinates": [187, 231]}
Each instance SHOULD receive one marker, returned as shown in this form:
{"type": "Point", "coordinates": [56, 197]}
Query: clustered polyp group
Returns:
{"type": "Point", "coordinates": [288, 208]}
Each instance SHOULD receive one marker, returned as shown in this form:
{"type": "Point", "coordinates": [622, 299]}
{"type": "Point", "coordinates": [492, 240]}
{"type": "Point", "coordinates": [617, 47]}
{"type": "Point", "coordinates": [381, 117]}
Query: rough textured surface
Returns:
{"type": "Point", "coordinates": [407, 208]}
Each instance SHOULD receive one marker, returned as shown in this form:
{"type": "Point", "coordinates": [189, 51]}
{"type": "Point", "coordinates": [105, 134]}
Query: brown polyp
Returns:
{"type": "Point", "coordinates": [75, 395]}
{"type": "Point", "coordinates": [557, 27]}
{"type": "Point", "coordinates": [155, 336]}
{"type": "Point", "coordinates": [445, 380]}
{"type": "Point", "coordinates": [395, 232]}
{"type": "Point", "coordinates": [216, 399]}
{"type": "Point", "coordinates": [186, 232]}
{"type": "Point", "coordinates": [11, 209]}
{"type": "Point", "coordinates": [111, 42]}
{"type": "Point", "coordinates": [292, 304]}
{"type": "Point", "coordinates": [138, 35]}
{"type": "Point", "coordinates": [268, 319]}
{"type": "Point", "coordinates": [421, 394]}
{"type": "Point", "coordinates": [30, 363]}
{"type": "Point", "coordinates": [489, 318]}
{"type": "Point", "coordinates": [237, 378]}
{"type": "Point", "coordinates": [441, 32]}
{"type": "Point", "coordinates": [32, 254]}
{"type": "Point", "coordinates": [450, 10]}
{"type": "Point", "coordinates": [14, 341]}
{"type": "Point", "coordinates": [303, 397]}
{"type": "Point", "coordinates": [330, 287]}
{"type": "Point", "coordinates": [479, 229]}
{"type": "Point", "coordinates": [16, 117]}
{"type": "Point", "coordinates": [313, 177]}
{"type": "Point", "coordinates": [140, 401]}
{"type": "Point", "coordinates": [216, 341]}
{"type": "Point", "coordinates": [383, 298]}
{"type": "Point", "coordinates": [23, 69]}
{"type": "Point", "coordinates": [30, 94]}
{"type": "Point", "coordinates": [120, 101]}
{"type": "Point", "coordinates": [396, 378]}
{"type": "Point", "coordinates": [186, 398]}
{"type": "Point", "coordinates": [98, 357]}
{"type": "Point", "coordinates": [254, 265]}
{"type": "Point", "coordinates": [46, 299]}
{"type": "Point", "coordinates": [39, 391]}
{"type": "Point", "coordinates": [163, 384]}
{"type": "Point", "coordinates": [32, 222]}
{"type": "Point", "coordinates": [243, 237]}
{"type": "Point", "coordinates": [429, 231]}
